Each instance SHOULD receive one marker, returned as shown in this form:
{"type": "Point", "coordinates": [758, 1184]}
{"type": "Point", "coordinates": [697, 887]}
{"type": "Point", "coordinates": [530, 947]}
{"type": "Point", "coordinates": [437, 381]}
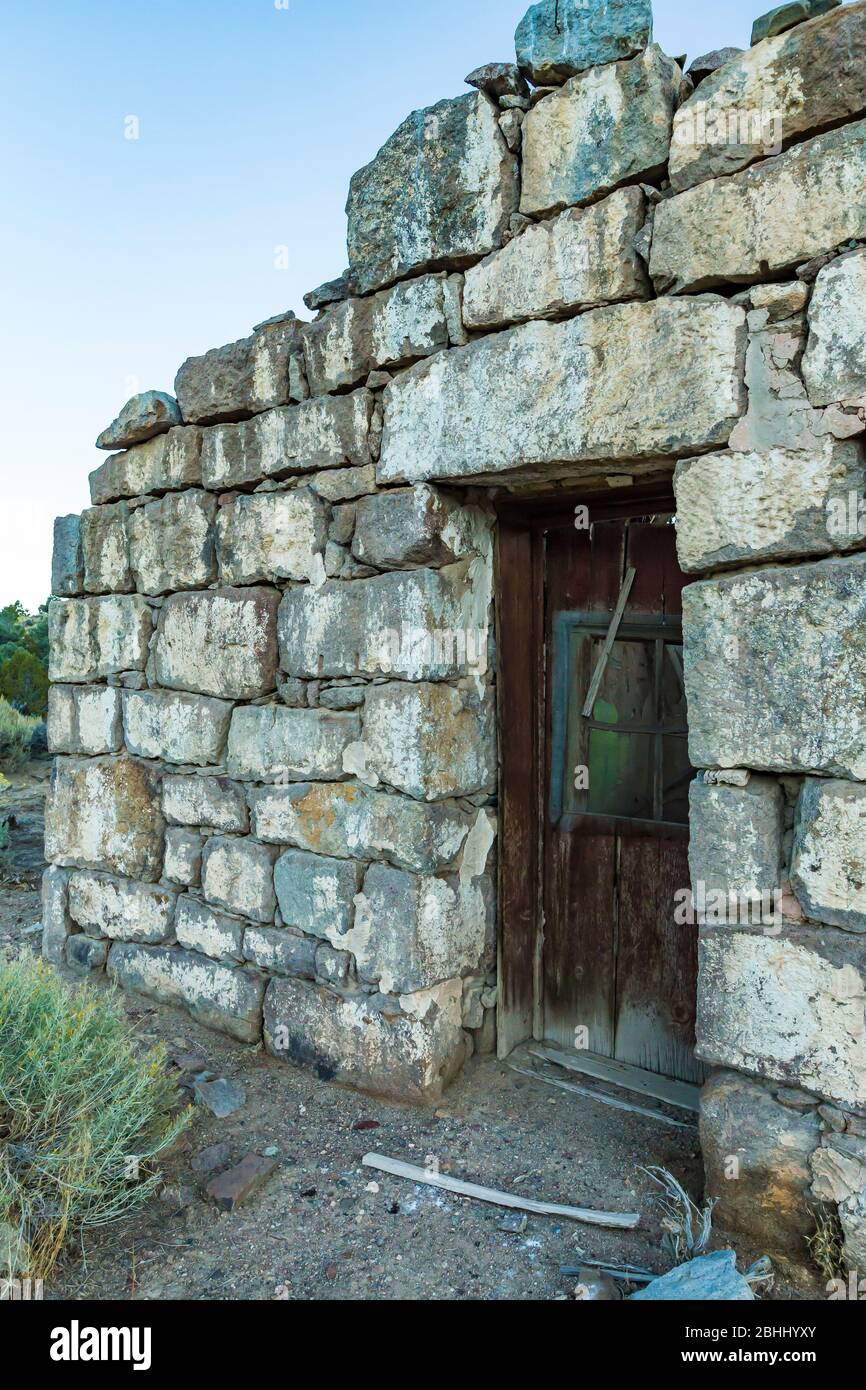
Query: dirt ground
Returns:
{"type": "Point", "coordinates": [325, 1227]}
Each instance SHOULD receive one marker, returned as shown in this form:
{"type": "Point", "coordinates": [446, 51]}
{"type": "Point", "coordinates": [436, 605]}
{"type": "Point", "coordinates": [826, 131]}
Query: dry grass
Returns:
{"type": "Point", "coordinates": [16, 731]}
{"type": "Point", "coordinates": [83, 1116]}
{"type": "Point", "coordinates": [826, 1246]}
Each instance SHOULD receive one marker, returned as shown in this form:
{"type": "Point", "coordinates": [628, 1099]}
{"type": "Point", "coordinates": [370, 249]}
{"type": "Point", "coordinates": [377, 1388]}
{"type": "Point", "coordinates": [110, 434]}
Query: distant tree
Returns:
{"type": "Point", "coordinates": [24, 658]}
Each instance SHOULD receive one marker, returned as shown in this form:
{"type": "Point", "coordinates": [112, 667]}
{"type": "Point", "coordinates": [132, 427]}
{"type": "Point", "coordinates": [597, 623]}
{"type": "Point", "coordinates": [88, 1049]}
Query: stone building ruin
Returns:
{"type": "Point", "coordinates": [394, 716]}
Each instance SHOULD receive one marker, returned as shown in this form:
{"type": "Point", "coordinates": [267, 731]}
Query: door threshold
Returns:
{"type": "Point", "coordinates": [624, 1075]}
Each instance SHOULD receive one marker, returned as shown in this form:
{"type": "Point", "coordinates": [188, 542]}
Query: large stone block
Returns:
{"type": "Point", "coordinates": [418, 625]}
{"type": "Point", "coordinates": [317, 895]}
{"type": "Point", "coordinates": [274, 535]}
{"type": "Point", "coordinates": [789, 1007]}
{"type": "Point", "coordinates": [175, 728]}
{"type": "Point", "coordinates": [834, 364]}
{"type": "Point", "coordinates": [389, 329]}
{"type": "Point", "coordinates": [736, 837]}
{"type": "Point", "coordinates": [766, 1197]}
{"type": "Point", "coordinates": [67, 562]}
{"type": "Point", "coordinates": [775, 669]}
{"type": "Point", "coordinates": [579, 260]}
{"type": "Point", "coordinates": [629, 381]}
{"type": "Point", "coordinates": [105, 547]}
{"type": "Point", "coordinates": [345, 1038]}
{"type": "Point", "coordinates": [242, 378]}
{"type": "Point", "coordinates": [104, 813]}
{"type": "Point", "coordinates": [739, 508]}
{"type": "Point", "coordinates": [170, 462]}
{"type": "Point", "coordinates": [788, 14]}
{"type": "Point", "coordinates": [415, 526]}
{"type": "Point", "coordinates": [183, 852]}
{"type": "Point", "coordinates": [852, 1214]}
{"type": "Point", "coordinates": [214, 934]}
{"type": "Point", "coordinates": [97, 637]}
{"type": "Point", "coordinates": [345, 820]}
{"type": "Point", "coordinates": [440, 192]}
{"type": "Point", "coordinates": [239, 876]}
{"type": "Point", "coordinates": [221, 643]}
{"type": "Point", "coordinates": [143, 417]}
{"type": "Point", "coordinates": [57, 925]}
{"type": "Point", "coordinates": [84, 720]}
{"type": "Point", "coordinates": [412, 933]}
{"type": "Point", "coordinates": [270, 741]}
{"type": "Point", "coordinates": [217, 996]}
{"type": "Point", "coordinates": [213, 802]}
{"type": "Point", "coordinates": [327, 432]}
{"type": "Point", "coordinates": [601, 130]}
{"type": "Point", "coordinates": [828, 872]}
{"type": "Point", "coordinates": [121, 909]}
{"type": "Point", "coordinates": [431, 741]}
{"type": "Point", "coordinates": [281, 952]}
{"type": "Point", "coordinates": [766, 219]}
{"type": "Point", "coordinates": [559, 38]}
{"type": "Point", "coordinates": [790, 86]}
{"type": "Point", "coordinates": [171, 543]}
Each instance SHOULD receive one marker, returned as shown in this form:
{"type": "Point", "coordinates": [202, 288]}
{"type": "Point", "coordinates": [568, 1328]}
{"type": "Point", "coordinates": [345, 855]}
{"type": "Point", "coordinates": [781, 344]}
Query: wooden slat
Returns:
{"type": "Point", "coordinates": [616, 1220]}
{"type": "Point", "coordinates": [613, 1102]}
{"type": "Point", "coordinates": [598, 674]}
{"type": "Point", "coordinates": [643, 1083]}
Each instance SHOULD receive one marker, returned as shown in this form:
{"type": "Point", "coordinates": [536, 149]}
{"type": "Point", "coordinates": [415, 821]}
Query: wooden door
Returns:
{"type": "Point", "coordinates": [610, 969]}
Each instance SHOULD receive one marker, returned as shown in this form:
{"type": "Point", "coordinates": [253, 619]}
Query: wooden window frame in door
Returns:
{"type": "Point", "coordinates": [523, 523]}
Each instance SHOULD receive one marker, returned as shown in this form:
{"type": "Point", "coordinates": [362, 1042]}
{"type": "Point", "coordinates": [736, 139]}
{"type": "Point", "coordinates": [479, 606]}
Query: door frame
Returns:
{"type": "Point", "coordinates": [521, 711]}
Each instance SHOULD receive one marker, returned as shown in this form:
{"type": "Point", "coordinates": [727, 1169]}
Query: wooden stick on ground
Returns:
{"type": "Point", "coordinates": [617, 1220]}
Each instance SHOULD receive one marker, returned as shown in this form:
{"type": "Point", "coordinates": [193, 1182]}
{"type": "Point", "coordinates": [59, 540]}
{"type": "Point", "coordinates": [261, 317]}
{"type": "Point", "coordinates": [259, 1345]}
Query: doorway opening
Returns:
{"type": "Point", "coordinates": [595, 779]}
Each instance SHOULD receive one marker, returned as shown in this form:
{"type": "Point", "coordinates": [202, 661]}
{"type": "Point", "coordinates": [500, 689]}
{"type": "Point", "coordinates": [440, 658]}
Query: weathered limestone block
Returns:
{"type": "Point", "coordinates": [170, 462]}
{"type": "Point", "coordinates": [839, 1168]}
{"type": "Point", "coordinates": [344, 1038]}
{"type": "Point", "coordinates": [221, 643]}
{"type": "Point", "coordinates": [67, 562]}
{"type": "Point", "coordinates": [199, 928]}
{"type": "Point", "coordinates": [57, 925]}
{"type": "Point", "coordinates": [559, 38]}
{"type": "Point", "coordinates": [414, 526]}
{"type": "Point", "coordinates": [142, 418]}
{"type": "Point", "coordinates": [213, 802]}
{"type": "Point", "coordinates": [783, 17]}
{"type": "Point", "coordinates": [332, 292]}
{"type": "Point", "coordinates": [431, 741]}
{"type": "Point", "coordinates": [342, 484]}
{"type": "Point", "coordinates": [104, 813]}
{"type": "Point", "coordinates": [738, 508]}
{"type": "Point", "coordinates": [274, 535]}
{"type": "Point", "coordinates": [601, 130]}
{"type": "Point", "coordinates": [790, 1007]}
{"type": "Point", "coordinates": [793, 85]}
{"type": "Point", "coordinates": [240, 379]}
{"type": "Point", "coordinates": [852, 1214]}
{"type": "Point", "coordinates": [97, 637]}
{"type": "Point", "coordinates": [736, 837]}
{"type": "Point", "coordinates": [327, 432]}
{"type": "Point", "coordinates": [346, 820]}
{"type": "Point", "coordinates": [217, 996]}
{"type": "Point", "coordinates": [579, 260]}
{"type": "Point", "coordinates": [85, 954]}
{"type": "Point", "coordinates": [271, 741]}
{"type": "Point", "coordinates": [317, 895]}
{"type": "Point", "coordinates": [105, 546]}
{"type": "Point", "coordinates": [389, 329]}
{"type": "Point", "coordinates": [834, 364]}
{"type": "Point", "coordinates": [440, 191]}
{"type": "Point", "coordinates": [828, 873]}
{"type": "Point", "coordinates": [775, 669]}
{"type": "Point", "coordinates": [412, 933]}
{"type": "Point", "coordinates": [766, 219]}
{"type": "Point", "coordinates": [84, 720]}
{"type": "Point", "coordinates": [623, 382]}
{"type": "Point", "coordinates": [768, 1201]}
{"type": "Point", "coordinates": [171, 543]}
{"type": "Point", "coordinates": [183, 851]}
{"type": "Point", "coordinates": [175, 728]}
{"type": "Point", "coordinates": [239, 876]}
{"type": "Point", "coordinates": [120, 909]}
{"type": "Point", "coordinates": [281, 952]}
{"type": "Point", "coordinates": [418, 625]}
{"type": "Point", "coordinates": [499, 80]}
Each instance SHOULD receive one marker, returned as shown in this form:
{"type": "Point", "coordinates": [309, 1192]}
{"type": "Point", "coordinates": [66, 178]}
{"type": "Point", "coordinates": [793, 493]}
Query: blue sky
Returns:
{"type": "Point", "coordinates": [121, 257]}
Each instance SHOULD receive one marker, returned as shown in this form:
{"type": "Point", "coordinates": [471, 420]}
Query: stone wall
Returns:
{"type": "Point", "coordinates": [273, 706]}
